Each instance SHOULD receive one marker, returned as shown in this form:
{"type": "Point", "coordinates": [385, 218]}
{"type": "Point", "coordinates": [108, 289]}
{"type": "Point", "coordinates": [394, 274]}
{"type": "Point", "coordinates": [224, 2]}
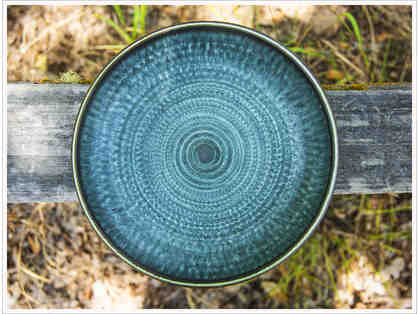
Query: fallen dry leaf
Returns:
{"type": "Point", "coordinates": [335, 75]}
{"type": "Point", "coordinates": [34, 244]}
{"type": "Point", "coordinates": [343, 45]}
{"type": "Point", "coordinates": [382, 37]}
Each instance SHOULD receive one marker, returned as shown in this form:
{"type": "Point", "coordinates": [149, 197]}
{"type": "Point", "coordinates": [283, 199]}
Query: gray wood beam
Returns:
{"type": "Point", "coordinates": [374, 129]}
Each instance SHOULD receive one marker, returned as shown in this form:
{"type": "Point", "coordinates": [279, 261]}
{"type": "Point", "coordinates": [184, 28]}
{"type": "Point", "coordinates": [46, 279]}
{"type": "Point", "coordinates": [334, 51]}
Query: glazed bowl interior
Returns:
{"type": "Point", "coordinates": [204, 154]}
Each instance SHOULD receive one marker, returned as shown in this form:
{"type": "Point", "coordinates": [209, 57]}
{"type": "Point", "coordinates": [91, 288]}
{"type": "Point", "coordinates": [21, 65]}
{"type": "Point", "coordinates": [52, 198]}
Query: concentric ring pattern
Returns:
{"type": "Point", "coordinates": [204, 155]}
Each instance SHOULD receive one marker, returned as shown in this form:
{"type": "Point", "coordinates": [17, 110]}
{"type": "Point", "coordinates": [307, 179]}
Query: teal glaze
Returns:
{"type": "Point", "coordinates": [204, 155]}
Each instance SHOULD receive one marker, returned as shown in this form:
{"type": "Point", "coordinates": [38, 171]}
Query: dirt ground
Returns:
{"type": "Point", "coordinates": [359, 258]}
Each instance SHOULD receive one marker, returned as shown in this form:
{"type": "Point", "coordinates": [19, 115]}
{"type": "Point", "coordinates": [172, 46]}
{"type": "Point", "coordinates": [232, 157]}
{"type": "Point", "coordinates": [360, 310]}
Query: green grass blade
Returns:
{"type": "Point", "coordinates": [391, 248]}
{"type": "Point", "coordinates": [308, 52]}
{"type": "Point", "coordinates": [142, 19]}
{"type": "Point", "coordinates": [356, 29]}
{"type": "Point", "coordinates": [359, 38]}
{"type": "Point", "coordinates": [395, 235]}
{"type": "Point", "coordinates": [384, 211]}
{"type": "Point", "coordinates": [290, 42]}
{"type": "Point", "coordinates": [120, 31]}
{"type": "Point", "coordinates": [119, 14]}
{"type": "Point", "coordinates": [340, 18]}
{"type": "Point", "coordinates": [137, 14]}
{"type": "Point", "coordinates": [329, 270]}
{"type": "Point", "coordinates": [115, 48]}
{"type": "Point", "coordinates": [317, 281]}
{"type": "Point", "coordinates": [385, 61]}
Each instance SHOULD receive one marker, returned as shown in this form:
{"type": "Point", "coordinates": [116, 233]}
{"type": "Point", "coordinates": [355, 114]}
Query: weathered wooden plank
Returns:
{"type": "Point", "coordinates": [374, 129]}
{"type": "Point", "coordinates": [375, 140]}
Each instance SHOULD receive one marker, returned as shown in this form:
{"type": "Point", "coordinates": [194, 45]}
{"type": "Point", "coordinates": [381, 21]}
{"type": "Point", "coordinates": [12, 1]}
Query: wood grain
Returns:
{"type": "Point", "coordinates": [374, 129]}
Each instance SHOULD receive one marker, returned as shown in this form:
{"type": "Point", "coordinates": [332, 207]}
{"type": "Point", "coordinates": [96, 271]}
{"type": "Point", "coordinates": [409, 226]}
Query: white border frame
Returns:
{"type": "Point", "coordinates": [158, 2]}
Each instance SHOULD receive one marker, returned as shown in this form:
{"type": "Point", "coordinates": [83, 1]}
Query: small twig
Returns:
{"type": "Point", "coordinates": [344, 59]}
{"type": "Point", "coordinates": [349, 235]}
{"type": "Point", "coordinates": [27, 296]}
{"type": "Point", "coordinates": [192, 294]}
{"type": "Point", "coordinates": [21, 266]}
{"type": "Point", "coordinates": [372, 33]}
{"type": "Point", "coordinates": [384, 211]}
{"type": "Point", "coordinates": [44, 245]}
{"type": "Point", "coordinates": [106, 47]}
{"type": "Point", "coordinates": [33, 274]}
{"type": "Point", "coordinates": [190, 299]}
{"type": "Point", "coordinates": [403, 73]}
{"type": "Point", "coordinates": [314, 64]}
{"type": "Point", "coordinates": [254, 21]}
{"type": "Point", "coordinates": [19, 257]}
{"type": "Point", "coordinates": [47, 258]}
{"type": "Point", "coordinates": [39, 209]}
{"type": "Point", "coordinates": [307, 29]}
{"type": "Point", "coordinates": [298, 31]}
{"type": "Point", "coordinates": [370, 21]}
{"type": "Point", "coordinates": [276, 26]}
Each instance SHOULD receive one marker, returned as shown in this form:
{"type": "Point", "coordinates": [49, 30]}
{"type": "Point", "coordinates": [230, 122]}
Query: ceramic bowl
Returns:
{"type": "Point", "coordinates": [205, 154]}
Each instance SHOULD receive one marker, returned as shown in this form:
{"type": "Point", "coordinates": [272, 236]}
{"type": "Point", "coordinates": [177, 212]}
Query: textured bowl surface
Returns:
{"type": "Point", "coordinates": [204, 155]}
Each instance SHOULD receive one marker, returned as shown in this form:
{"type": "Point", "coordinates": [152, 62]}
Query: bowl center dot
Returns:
{"type": "Point", "coordinates": [205, 152]}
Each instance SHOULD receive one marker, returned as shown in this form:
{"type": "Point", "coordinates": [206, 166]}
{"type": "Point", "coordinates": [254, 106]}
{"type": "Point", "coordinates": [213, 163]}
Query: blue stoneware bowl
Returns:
{"type": "Point", "coordinates": [205, 154]}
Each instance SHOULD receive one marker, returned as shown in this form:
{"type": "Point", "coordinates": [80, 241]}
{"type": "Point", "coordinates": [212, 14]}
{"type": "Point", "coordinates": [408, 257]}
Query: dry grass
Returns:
{"type": "Point", "coordinates": [45, 41]}
{"type": "Point", "coordinates": [359, 258]}
{"type": "Point", "coordinates": [340, 44]}
{"type": "Point", "coordinates": [56, 260]}
{"type": "Point", "coordinates": [349, 44]}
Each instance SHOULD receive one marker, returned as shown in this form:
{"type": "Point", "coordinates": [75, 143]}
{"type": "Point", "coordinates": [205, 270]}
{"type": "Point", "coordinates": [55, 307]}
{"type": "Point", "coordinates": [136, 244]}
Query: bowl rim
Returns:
{"type": "Point", "coordinates": [325, 106]}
